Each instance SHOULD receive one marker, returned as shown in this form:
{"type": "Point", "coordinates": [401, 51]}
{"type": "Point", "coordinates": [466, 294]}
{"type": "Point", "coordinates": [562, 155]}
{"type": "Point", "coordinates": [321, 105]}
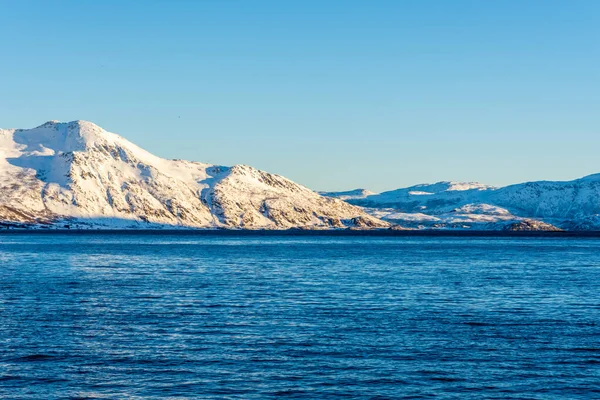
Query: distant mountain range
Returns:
{"type": "Point", "coordinates": [77, 175]}
{"type": "Point", "coordinates": [543, 205]}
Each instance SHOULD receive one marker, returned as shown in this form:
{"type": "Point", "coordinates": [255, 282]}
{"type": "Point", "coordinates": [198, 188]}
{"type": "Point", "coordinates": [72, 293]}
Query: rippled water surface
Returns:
{"type": "Point", "coordinates": [314, 317]}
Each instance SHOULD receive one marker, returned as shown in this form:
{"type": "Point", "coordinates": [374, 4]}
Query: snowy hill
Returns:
{"type": "Point", "coordinates": [350, 194]}
{"type": "Point", "coordinates": [80, 175]}
{"type": "Point", "coordinates": [571, 205]}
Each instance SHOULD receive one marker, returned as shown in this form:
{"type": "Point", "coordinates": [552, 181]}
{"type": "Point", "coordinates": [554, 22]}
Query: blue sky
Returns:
{"type": "Point", "coordinates": [334, 94]}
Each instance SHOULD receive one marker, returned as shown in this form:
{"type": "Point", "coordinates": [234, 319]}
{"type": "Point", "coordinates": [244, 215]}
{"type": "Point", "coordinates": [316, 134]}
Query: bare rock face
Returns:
{"type": "Point", "coordinates": [11, 217]}
{"type": "Point", "coordinates": [80, 174]}
{"type": "Point", "coordinates": [399, 228]}
{"type": "Point", "coordinates": [529, 225]}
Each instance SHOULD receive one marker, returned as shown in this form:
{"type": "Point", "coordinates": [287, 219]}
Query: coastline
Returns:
{"type": "Point", "coordinates": [304, 232]}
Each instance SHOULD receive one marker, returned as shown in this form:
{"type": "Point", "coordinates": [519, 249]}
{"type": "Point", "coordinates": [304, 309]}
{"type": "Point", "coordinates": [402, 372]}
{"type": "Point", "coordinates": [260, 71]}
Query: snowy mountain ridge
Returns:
{"type": "Point", "coordinates": [570, 205]}
{"type": "Point", "coordinates": [350, 194]}
{"type": "Point", "coordinates": [77, 174]}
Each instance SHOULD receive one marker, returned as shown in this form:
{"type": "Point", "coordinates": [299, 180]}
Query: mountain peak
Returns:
{"type": "Point", "coordinates": [349, 194]}
{"type": "Point", "coordinates": [450, 186]}
{"type": "Point", "coordinates": [80, 123]}
{"type": "Point", "coordinates": [57, 136]}
{"type": "Point", "coordinates": [49, 124]}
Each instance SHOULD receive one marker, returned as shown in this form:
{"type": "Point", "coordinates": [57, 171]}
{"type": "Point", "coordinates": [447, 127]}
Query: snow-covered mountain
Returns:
{"type": "Point", "coordinates": [80, 175]}
{"type": "Point", "coordinates": [571, 205]}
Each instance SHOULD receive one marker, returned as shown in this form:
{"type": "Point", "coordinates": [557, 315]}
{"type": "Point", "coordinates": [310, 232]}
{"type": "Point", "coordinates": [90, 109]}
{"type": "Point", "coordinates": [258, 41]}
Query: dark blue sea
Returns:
{"type": "Point", "coordinates": [209, 316]}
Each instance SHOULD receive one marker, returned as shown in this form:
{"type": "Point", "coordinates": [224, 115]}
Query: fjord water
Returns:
{"type": "Point", "coordinates": [225, 316]}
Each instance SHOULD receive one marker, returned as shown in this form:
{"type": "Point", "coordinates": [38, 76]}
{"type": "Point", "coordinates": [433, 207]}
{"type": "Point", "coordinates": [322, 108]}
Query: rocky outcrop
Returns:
{"type": "Point", "coordinates": [529, 225]}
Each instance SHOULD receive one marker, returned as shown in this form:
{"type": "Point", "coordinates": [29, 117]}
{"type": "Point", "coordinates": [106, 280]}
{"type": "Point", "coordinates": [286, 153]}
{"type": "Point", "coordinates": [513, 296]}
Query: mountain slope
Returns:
{"type": "Point", "coordinates": [78, 174]}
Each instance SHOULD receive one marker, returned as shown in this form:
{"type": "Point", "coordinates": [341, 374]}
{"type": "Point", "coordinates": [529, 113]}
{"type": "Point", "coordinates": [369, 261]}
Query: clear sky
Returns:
{"type": "Point", "coordinates": [334, 94]}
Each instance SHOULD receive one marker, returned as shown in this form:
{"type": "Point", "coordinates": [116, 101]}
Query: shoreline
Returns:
{"type": "Point", "coordinates": [302, 232]}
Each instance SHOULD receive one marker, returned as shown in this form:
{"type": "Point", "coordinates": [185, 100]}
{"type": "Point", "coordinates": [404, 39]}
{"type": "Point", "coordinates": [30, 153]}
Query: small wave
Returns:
{"type": "Point", "coordinates": [37, 357]}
